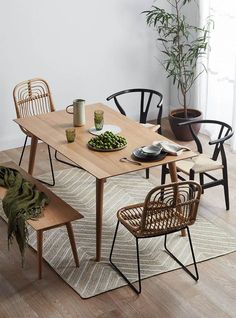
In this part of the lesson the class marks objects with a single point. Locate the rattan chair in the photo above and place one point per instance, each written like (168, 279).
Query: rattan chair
(203, 164)
(33, 97)
(147, 97)
(166, 209)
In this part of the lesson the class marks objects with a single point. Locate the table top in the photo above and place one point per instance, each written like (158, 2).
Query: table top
(50, 128)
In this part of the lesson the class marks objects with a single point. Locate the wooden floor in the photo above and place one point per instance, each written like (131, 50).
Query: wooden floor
(172, 294)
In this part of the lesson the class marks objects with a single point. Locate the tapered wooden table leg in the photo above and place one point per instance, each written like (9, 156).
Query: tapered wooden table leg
(72, 243)
(99, 213)
(40, 252)
(173, 171)
(174, 178)
(33, 148)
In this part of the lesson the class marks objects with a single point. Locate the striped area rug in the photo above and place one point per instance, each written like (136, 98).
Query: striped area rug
(78, 189)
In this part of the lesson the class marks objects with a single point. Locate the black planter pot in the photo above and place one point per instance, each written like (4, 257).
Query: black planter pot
(177, 116)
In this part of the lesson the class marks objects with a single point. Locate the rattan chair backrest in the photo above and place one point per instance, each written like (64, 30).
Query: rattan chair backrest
(32, 97)
(170, 207)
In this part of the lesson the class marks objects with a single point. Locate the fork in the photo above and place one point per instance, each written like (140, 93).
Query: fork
(124, 159)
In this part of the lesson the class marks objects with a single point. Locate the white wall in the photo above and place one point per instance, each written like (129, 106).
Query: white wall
(84, 49)
(191, 11)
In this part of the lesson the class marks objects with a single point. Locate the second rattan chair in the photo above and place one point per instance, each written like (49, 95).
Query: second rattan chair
(166, 209)
(33, 97)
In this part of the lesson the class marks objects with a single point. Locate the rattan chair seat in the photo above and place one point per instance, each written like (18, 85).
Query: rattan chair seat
(151, 126)
(160, 218)
(201, 163)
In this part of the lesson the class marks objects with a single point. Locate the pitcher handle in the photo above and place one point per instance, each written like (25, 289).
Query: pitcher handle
(68, 110)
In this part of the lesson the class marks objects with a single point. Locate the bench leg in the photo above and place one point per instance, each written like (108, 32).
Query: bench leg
(72, 243)
(40, 252)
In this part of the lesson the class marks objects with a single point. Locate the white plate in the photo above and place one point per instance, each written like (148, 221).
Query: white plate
(112, 128)
(106, 150)
(151, 150)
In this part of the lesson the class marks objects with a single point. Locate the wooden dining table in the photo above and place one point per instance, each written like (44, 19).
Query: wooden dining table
(50, 128)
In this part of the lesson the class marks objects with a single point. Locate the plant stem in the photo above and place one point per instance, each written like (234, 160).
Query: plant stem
(182, 43)
(181, 66)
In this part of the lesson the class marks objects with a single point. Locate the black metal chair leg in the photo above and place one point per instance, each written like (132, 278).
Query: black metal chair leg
(114, 238)
(52, 171)
(147, 173)
(50, 161)
(163, 174)
(138, 264)
(65, 162)
(191, 174)
(23, 150)
(201, 179)
(138, 291)
(178, 261)
(226, 187)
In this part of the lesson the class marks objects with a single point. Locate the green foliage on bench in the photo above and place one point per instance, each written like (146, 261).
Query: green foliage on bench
(21, 202)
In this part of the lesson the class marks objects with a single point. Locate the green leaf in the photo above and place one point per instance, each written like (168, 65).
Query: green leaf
(183, 43)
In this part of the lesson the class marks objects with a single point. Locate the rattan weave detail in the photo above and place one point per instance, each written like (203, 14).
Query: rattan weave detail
(32, 97)
(166, 208)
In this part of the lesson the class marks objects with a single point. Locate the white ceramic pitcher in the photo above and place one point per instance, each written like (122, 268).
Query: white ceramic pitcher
(78, 112)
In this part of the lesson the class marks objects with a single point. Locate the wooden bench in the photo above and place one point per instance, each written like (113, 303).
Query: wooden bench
(57, 213)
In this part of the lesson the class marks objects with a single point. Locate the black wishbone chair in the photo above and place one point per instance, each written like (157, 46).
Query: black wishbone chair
(203, 164)
(147, 97)
(166, 209)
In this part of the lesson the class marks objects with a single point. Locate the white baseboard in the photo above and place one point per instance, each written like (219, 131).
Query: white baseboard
(11, 143)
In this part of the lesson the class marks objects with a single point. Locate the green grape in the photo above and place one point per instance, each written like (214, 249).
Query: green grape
(107, 140)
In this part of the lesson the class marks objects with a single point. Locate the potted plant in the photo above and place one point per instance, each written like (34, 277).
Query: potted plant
(182, 46)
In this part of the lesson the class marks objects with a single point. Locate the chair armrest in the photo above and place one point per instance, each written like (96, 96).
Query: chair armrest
(221, 140)
(136, 205)
(189, 122)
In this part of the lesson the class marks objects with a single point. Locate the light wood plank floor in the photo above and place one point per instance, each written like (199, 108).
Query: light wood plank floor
(171, 294)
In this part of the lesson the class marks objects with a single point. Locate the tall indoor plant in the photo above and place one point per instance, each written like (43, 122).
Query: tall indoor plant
(182, 45)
